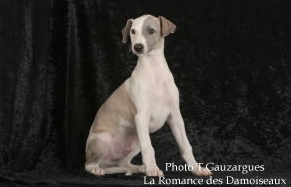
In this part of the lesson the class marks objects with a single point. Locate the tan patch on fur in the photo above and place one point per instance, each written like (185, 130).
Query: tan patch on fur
(117, 106)
(95, 151)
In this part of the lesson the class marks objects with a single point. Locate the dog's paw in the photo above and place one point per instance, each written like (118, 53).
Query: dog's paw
(94, 169)
(202, 172)
(97, 171)
(154, 172)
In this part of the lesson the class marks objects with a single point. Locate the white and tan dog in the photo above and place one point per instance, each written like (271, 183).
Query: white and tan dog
(140, 106)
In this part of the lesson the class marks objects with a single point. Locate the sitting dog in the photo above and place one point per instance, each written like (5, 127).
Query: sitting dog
(140, 106)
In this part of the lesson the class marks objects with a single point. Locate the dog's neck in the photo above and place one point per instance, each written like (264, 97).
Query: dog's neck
(154, 61)
(154, 66)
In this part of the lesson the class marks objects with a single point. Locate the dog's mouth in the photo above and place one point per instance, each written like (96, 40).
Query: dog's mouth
(138, 52)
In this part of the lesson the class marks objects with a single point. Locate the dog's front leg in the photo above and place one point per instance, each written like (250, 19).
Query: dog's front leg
(148, 154)
(177, 127)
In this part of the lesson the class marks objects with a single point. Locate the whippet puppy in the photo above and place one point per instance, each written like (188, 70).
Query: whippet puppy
(140, 106)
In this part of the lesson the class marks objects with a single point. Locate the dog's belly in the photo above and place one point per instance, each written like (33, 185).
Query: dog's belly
(118, 147)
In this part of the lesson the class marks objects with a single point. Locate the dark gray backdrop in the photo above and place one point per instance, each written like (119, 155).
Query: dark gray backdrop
(59, 60)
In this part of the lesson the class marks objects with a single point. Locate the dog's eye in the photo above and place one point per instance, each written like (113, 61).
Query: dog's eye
(132, 31)
(151, 31)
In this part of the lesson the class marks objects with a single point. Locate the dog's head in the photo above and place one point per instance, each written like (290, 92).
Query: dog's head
(147, 33)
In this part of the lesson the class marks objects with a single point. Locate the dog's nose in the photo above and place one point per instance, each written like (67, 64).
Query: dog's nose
(138, 48)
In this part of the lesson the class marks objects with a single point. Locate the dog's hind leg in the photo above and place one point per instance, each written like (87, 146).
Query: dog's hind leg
(96, 149)
(126, 161)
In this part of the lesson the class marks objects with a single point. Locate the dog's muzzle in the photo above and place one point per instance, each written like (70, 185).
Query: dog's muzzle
(138, 48)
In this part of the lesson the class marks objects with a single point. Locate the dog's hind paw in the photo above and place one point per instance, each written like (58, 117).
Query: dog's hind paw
(97, 171)
(94, 169)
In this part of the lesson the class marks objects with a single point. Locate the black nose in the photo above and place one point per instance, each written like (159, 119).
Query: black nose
(138, 48)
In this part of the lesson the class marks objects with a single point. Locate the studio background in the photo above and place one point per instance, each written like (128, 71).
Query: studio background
(60, 60)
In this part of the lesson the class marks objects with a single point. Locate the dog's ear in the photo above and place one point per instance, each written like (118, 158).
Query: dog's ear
(125, 31)
(167, 27)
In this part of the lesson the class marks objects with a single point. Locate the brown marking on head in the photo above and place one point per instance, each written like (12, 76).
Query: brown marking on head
(151, 32)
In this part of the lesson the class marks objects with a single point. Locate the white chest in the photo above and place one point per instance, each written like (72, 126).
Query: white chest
(161, 106)
(153, 89)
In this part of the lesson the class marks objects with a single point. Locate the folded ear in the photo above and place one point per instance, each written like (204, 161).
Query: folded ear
(167, 27)
(125, 31)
